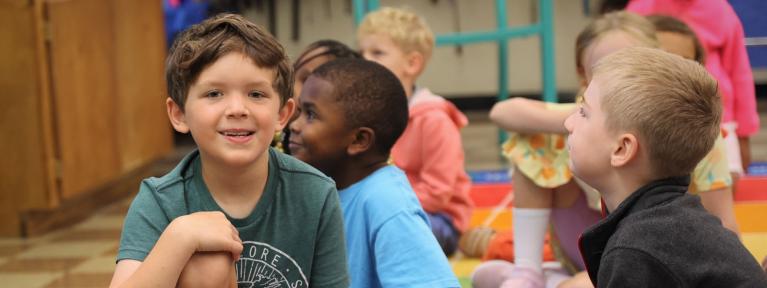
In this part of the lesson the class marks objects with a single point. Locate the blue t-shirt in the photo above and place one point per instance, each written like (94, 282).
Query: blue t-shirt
(388, 238)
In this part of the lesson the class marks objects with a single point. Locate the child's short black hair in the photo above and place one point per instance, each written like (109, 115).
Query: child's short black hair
(370, 95)
(332, 48)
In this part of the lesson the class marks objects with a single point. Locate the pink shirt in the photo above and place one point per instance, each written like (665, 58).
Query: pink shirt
(431, 154)
(719, 30)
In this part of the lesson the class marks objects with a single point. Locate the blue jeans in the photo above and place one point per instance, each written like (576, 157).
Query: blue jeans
(442, 227)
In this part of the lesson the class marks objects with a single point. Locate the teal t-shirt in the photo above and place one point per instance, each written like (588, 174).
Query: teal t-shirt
(293, 238)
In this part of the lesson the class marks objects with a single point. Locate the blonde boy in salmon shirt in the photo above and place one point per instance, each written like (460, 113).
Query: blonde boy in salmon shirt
(430, 150)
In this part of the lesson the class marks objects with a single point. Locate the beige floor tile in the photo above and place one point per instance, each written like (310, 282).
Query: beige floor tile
(9, 241)
(9, 250)
(3, 260)
(112, 252)
(105, 222)
(80, 280)
(28, 280)
(117, 209)
(40, 265)
(55, 250)
(89, 235)
(102, 264)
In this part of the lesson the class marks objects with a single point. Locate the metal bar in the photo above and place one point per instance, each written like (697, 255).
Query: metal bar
(547, 46)
(756, 41)
(359, 11)
(373, 5)
(502, 34)
(503, 62)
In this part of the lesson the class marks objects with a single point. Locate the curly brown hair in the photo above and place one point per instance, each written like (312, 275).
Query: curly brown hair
(202, 44)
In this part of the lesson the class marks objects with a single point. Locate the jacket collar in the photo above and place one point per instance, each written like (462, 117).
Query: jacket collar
(594, 240)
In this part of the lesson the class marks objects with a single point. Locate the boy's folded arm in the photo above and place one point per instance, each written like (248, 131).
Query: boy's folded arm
(442, 163)
(528, 116)
(185, 235)
(161, 268)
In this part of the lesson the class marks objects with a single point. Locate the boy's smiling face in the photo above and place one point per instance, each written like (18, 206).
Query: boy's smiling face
(232, 111)
(589, 142)
(320, 136)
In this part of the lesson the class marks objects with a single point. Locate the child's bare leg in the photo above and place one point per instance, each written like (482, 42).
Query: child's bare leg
(209, 269)
(566, 195)
(529, 195)
(719, 202)
(579, 280)
(532, 208)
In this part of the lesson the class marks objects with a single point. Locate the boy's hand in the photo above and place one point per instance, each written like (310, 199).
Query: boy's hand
(208, 232)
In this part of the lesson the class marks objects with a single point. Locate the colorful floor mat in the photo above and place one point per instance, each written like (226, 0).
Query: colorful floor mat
(491, 187)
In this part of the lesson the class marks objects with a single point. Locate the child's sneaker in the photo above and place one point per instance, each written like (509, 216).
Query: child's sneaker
(523, 277)
(474, 242)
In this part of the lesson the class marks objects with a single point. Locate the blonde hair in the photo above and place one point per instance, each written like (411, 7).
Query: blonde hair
(671, 103)
(636, 26)
(406, 29)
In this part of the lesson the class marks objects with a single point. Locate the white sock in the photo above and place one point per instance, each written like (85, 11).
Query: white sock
(530, 225)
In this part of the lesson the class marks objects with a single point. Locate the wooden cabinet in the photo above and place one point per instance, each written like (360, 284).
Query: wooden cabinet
(82, 99)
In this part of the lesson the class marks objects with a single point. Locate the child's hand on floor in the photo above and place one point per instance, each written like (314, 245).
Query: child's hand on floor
(207, 232)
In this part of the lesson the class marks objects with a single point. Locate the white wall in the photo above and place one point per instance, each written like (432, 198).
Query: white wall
(473, 72)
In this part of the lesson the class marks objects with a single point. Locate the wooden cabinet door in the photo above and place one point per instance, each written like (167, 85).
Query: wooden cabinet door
(81, 51)
(25, 174)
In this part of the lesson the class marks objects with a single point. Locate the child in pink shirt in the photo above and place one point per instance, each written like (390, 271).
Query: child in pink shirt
(719, 29)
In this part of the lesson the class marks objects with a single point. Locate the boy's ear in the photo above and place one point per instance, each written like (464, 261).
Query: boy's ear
(285, 114)
(176, 116)
(415, 63)
(626, 150)
(364, 140)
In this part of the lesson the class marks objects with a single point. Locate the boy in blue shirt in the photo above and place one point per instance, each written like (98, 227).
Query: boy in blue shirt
(235, 212)
(351, 113)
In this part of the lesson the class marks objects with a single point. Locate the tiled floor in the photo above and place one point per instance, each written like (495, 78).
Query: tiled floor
(83, 255)
(78, 256)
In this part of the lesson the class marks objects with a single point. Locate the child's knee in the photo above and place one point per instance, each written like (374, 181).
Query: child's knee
(208, 269)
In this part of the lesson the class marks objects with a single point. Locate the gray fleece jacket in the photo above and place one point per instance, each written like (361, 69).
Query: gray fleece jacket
(660, 236)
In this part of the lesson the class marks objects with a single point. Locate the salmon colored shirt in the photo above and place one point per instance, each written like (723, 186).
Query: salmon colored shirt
(431, 154)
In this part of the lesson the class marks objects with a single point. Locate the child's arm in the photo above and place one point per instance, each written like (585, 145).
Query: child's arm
(711, 181)
(202, 231)
(442, 161)
(736, 65)
(719, 202)
(528, 116)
